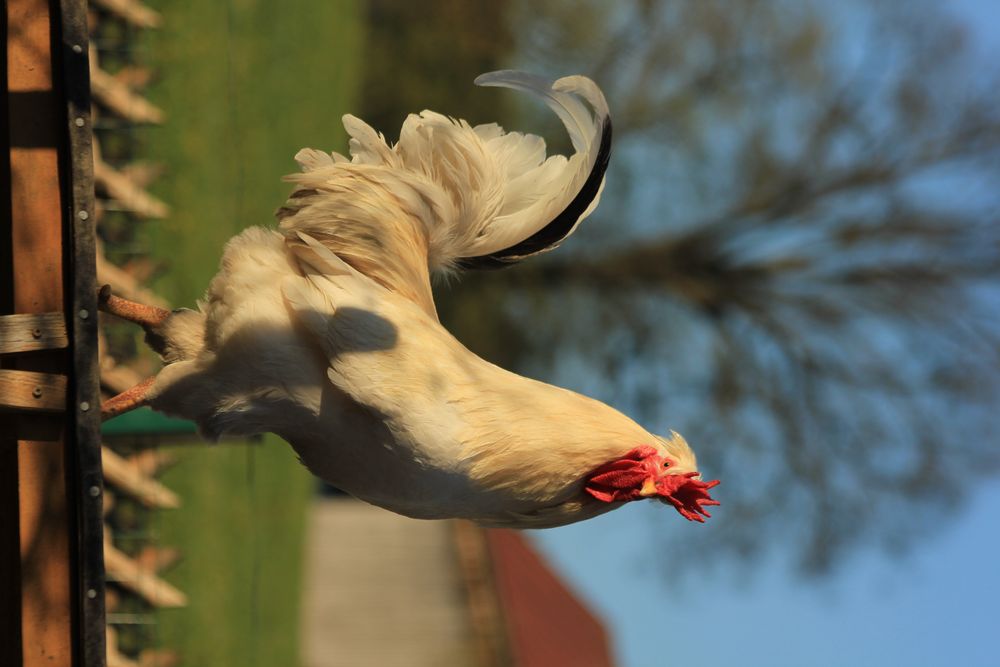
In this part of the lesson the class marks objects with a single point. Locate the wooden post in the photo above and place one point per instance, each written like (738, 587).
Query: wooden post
(51, 586)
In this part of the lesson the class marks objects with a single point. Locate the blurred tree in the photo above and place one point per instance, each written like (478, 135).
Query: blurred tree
(425, 56)
(794, 264)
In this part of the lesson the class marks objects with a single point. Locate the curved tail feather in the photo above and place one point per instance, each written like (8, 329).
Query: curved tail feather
(449, 195)
(556, 201)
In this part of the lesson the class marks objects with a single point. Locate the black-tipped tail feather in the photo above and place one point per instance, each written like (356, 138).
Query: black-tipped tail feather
(553, 233)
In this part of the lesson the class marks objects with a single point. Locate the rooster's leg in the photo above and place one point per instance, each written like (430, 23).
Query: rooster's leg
(130, 399)
(146, 316)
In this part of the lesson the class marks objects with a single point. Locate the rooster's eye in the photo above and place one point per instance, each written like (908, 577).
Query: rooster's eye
(666, 464)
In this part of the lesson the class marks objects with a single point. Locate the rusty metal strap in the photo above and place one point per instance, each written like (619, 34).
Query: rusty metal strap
(81, 318)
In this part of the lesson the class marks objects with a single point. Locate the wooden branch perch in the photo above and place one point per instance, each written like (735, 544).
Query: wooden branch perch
(127, 193)
(151, 461)
(130, 574)
(143, 172)
(159, 658)
(157, 559)
(120, 99)
(120, 473)
(117, 379)
(115, 657)
(132, 12)
(134, 76)
(123, 284)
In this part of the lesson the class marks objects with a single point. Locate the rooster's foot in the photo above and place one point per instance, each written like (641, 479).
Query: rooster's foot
(146, 316)
(130, 399)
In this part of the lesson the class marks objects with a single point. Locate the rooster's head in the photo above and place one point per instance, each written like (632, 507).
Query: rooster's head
(666, 472)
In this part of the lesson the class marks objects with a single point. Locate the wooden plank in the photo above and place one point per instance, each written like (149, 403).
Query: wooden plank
(489, 633)
(46, 535)
(29, 332)
(32, 391)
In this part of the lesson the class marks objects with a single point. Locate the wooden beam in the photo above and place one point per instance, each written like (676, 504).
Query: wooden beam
(35, 124)
(29, 332)
(51, 578)
(32, 391)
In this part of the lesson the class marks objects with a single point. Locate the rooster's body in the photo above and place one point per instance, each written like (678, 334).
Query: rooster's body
(325, 332)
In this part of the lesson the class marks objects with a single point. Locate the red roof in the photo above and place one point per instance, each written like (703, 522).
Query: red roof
(547, 626)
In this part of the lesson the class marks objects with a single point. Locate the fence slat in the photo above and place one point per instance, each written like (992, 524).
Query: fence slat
(122, 474)
(32, 391)
(131, 575)
(28, 332)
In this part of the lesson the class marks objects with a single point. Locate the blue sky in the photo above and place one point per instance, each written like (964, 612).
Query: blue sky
(939, 604)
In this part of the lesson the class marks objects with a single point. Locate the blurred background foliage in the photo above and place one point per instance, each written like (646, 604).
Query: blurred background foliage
(794, 262)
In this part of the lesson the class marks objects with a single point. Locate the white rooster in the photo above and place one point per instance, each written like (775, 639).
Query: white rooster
(324, 331)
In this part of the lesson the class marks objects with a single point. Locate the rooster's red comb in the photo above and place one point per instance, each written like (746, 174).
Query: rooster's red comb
(641, 474)
(688, 495)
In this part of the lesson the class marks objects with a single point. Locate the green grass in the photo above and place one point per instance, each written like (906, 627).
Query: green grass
(245, 84)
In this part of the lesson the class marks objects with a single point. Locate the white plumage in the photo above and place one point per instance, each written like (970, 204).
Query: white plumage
(325, 332)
